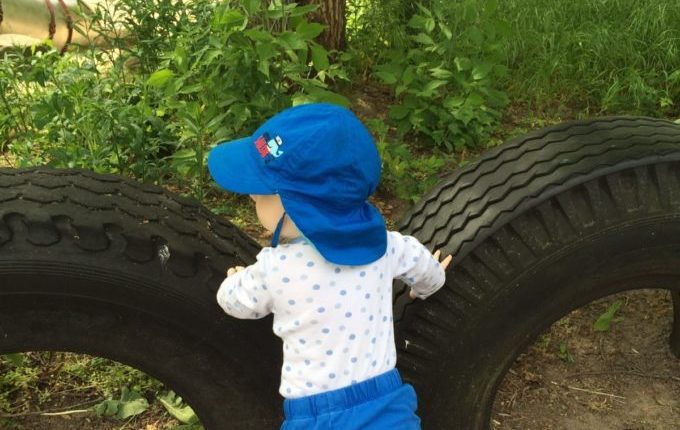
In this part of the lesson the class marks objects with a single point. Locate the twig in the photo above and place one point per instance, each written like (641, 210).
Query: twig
(76, 411)
(599, 393)
(53, 413)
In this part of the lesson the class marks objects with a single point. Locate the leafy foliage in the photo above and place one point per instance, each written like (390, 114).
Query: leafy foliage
(153, 111)
(128, 405)
(178, 409)
(406, 175)
(445, 82)
(605, 320)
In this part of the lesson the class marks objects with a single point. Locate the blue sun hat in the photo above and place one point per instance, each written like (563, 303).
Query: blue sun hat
(322, 162)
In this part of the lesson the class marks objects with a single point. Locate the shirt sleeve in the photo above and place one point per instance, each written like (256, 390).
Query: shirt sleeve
(244, 294)
(415, 265)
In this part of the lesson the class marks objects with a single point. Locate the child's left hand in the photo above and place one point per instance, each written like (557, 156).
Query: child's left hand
(233, 270)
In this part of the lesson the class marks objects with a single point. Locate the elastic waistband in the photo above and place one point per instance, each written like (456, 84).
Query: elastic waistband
(342, 398)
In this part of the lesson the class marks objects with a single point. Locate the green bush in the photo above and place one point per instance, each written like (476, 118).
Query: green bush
(66, 112)
(446, 80)
(237, 67)
(405, 174)
(116, 110)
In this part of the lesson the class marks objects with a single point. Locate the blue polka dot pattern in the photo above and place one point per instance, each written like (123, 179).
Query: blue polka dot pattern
(336, 321)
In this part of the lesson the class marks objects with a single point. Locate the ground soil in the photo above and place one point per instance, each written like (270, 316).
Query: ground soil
(622, 379)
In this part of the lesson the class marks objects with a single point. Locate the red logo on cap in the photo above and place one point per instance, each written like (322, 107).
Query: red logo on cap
(261, 145)
(269, 148)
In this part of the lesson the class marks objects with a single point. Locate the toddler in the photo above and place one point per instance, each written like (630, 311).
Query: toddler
(310, 170)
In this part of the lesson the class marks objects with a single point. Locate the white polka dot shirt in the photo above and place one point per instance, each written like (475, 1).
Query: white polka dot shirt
(335, 320)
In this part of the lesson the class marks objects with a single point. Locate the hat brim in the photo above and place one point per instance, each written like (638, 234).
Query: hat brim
(234, 166)
(354, 236)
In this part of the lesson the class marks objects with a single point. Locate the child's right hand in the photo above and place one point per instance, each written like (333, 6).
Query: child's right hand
(444, 263)
(233, 270)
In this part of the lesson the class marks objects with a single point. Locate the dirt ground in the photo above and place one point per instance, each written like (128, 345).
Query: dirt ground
(622, 379)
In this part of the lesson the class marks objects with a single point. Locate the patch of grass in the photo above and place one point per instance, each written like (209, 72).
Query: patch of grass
(603, 56)
(49, 381)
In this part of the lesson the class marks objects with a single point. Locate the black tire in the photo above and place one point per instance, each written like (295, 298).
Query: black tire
(106, 266)
(539, 227)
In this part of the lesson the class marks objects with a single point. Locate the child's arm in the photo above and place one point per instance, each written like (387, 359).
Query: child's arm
(244, 293)
(444, 263)
(415, 265)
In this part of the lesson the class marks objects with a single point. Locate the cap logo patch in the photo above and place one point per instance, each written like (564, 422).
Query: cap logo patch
(269, 148)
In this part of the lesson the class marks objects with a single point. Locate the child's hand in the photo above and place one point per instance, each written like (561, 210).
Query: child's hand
(233, 270)
(444, 263)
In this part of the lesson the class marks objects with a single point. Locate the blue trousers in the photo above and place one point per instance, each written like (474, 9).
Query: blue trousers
(380, 403)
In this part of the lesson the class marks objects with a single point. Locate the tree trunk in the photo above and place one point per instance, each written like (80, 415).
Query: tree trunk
(331, 13)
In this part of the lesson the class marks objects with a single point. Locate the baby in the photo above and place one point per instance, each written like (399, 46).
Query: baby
(310, 170)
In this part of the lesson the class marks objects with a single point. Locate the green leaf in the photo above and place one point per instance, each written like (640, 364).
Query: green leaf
(258, 35)
(325, 96)
(418, 22)
(302, 10)
(15, 359)
(408, 76)
(229, 18)
(129, 405)
(387, 77)
(440, 73)
(430, 88)
(564, 354)
(476, 36)
(446, 30)
(132, 408)
(604, 322)
(399, 112)
(320, 57)
(216, 121)
(160, 78)
(453, 102)
(309, 30)
(251, 6)
(423, 38)
(292, 40)
(462, 63)
(176, 407)
(107, 408)
(480, 71)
